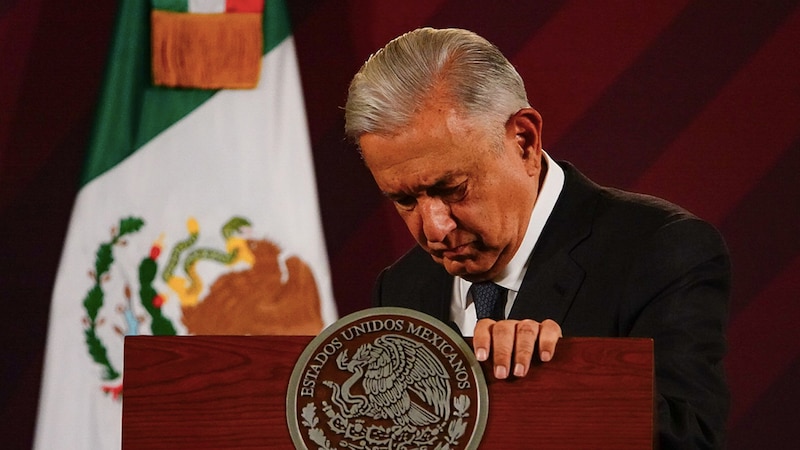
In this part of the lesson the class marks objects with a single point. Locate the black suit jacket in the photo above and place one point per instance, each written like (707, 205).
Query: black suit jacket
(613, 263)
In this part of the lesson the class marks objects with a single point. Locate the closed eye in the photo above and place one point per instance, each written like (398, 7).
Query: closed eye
(406, 202)
(445, 192)
(449, 194)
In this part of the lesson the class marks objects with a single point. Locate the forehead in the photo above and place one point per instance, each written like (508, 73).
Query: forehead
(438, 145)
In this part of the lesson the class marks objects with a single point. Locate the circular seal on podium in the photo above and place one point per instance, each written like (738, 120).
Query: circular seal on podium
(387, 378)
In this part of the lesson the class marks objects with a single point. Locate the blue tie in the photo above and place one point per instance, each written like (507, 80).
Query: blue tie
(489, 300)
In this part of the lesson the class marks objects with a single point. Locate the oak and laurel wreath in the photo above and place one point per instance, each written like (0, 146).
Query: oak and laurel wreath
(455, 430)
(104, 258)
(310, 420)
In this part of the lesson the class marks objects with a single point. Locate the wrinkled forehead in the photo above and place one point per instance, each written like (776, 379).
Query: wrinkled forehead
(436, 129)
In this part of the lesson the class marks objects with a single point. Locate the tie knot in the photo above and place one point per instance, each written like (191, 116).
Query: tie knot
(489, 300)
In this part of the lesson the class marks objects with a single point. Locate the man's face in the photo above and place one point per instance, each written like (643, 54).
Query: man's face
(465, 194)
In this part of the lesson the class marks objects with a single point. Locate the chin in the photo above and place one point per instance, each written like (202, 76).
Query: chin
(469, 270)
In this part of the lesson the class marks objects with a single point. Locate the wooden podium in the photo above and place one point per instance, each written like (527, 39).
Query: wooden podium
(229, 392)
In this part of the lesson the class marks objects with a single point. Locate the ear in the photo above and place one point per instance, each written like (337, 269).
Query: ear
(526, 128)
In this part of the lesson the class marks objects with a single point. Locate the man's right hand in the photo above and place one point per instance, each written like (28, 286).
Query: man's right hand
(506, 338)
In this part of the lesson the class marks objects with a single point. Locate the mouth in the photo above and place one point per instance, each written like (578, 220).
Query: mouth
(454, 253)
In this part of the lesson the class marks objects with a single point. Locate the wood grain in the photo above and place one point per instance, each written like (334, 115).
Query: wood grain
(229, 392)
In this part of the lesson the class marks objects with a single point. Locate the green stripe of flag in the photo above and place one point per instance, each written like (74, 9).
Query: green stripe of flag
(171, 5)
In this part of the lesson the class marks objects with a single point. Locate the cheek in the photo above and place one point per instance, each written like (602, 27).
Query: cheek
(471, 218)
(483, 219)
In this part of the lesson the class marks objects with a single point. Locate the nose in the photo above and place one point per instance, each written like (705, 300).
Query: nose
(437, 221)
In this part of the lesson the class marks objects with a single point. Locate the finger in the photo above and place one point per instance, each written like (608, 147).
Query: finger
(549, 334)
(502, 347)
(526, 333)
(482, 339)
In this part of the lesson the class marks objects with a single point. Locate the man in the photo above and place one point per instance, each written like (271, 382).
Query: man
(443, 123)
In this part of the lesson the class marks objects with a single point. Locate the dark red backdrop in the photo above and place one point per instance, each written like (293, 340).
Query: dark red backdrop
(689, 100)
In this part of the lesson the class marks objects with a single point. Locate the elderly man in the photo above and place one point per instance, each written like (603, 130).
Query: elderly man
(517, 249)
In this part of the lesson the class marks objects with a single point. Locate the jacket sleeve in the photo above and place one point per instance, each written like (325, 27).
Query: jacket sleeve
(680, 289)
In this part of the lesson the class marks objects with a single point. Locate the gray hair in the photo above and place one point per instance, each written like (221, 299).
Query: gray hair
(394, 82)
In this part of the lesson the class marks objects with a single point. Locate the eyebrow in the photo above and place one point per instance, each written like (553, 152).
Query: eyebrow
(444, 181)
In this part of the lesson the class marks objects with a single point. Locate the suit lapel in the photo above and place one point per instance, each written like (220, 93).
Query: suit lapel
(553, 277)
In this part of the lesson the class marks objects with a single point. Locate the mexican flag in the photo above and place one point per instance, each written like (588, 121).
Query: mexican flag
(198, 210)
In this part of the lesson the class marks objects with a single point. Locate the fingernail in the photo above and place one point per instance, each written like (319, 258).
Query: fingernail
(500, 372)
(545, 356)
(480, 354)
(519, 370)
